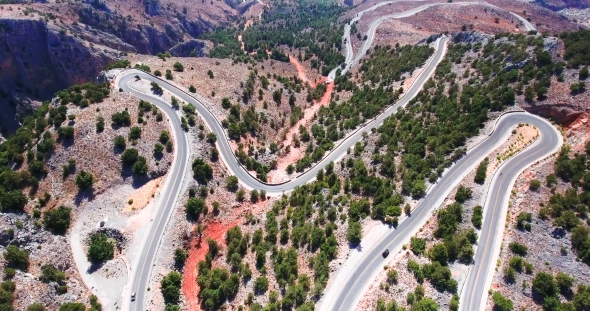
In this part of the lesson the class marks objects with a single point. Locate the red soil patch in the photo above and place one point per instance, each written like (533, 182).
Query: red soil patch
(197, 252)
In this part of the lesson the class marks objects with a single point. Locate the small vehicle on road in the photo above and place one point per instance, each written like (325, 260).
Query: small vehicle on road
(385, 253)
(133, 297)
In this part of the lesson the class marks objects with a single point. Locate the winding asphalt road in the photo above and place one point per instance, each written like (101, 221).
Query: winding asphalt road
(349, 291)
(474, 295)
(165, 204)
(350, 62)
(352, 289)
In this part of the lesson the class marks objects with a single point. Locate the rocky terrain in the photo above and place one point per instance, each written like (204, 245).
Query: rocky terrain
(107, 207)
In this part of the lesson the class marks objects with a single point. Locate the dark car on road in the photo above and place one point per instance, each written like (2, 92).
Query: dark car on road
(385, 253)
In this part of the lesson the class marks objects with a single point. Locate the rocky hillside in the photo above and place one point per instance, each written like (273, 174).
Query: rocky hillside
(557, 5)
(47, 46)
(37, 58)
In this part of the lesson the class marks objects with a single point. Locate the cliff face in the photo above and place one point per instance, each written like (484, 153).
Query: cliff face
(144, 38)
(37, 60)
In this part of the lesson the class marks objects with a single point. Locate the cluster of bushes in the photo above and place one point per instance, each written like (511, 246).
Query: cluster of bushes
(252, 164)
(84, 94)
(238, 124)
(576, 48)
(120, 63)
(415, 299)
(398, 60)
(306, 25)
(131, 158)
(307, 219)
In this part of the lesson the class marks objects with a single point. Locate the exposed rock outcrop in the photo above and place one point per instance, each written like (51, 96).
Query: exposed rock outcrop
(192, 48)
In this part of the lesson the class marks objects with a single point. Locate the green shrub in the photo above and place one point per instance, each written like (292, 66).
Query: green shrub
(164, 136)
(178, 67)
(51, 274)
(535, 184)
(501, 303)
(9, 273)
(355, 232)
(16, 257)
(72, 306)
(120, 142)
(158, 149)
(36, 307)
(477, 217)
(518, 249)
(261, 285)
(121, 118)
(463, 194)
(84, 180)
(418, 245)
(135, 133)
(544, 285)
(480, 174)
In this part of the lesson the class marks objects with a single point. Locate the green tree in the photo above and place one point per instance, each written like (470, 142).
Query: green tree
(129, 156)
(544, 285)
(57, 220)
(261, 285)
(100, 248)
(140, 166)
(202, 171)
(231, 183)
(355, 232)
(194, 207)
(170, 285)
(84, 180)
(16, 257)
